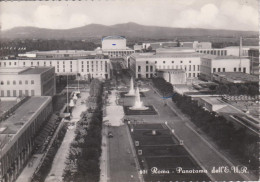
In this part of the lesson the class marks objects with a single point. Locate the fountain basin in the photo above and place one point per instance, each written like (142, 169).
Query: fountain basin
(149, 110)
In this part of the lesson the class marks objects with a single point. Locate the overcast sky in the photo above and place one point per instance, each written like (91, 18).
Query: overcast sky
(213, 14)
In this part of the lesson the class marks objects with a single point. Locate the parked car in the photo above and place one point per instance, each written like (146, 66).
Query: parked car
(110, 135)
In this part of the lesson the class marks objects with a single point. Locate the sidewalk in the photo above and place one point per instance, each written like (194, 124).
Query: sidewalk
(58, 165)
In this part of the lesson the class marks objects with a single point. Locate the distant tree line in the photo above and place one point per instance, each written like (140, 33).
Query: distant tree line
(251, 89)
(15, 47)
(85, 151)
(165, 88)
(239, 141)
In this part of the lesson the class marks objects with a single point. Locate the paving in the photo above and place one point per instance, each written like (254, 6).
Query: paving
(58, 165)
(117, 162)
(162, 150)
(201, 149)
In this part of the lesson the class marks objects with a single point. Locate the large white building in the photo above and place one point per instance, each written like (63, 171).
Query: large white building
(115, 47)
(212, 64)
(145, 65)
(91, 66)
(27, 81)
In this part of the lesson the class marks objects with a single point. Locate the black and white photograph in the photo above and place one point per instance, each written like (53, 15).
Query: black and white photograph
(129, 91)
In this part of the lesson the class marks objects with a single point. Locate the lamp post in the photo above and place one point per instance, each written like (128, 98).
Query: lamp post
(67, 95)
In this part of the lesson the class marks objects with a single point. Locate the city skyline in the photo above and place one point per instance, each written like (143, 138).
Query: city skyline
(231, 14)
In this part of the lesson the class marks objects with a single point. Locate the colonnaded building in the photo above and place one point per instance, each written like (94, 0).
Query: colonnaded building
(115, 47)
(18, 133)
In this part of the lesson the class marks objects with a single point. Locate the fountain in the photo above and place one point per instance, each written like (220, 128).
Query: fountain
(132, 90)
(138, 103)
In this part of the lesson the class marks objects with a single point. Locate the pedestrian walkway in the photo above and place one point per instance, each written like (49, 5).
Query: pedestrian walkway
(58, 165)
(28, 171)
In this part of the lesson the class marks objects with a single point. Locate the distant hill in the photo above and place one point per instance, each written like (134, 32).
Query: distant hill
(131, 31)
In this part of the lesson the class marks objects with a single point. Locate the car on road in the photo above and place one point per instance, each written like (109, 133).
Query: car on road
(110, 135)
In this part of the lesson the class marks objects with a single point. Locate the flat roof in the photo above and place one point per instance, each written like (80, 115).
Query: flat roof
(239, 76)
(6, 105)
(165, 55)
(36, 70)
(113, 37)
(231, 47)
(216, 57)
(24, 70)
(213, 100)
(97, 56)
(22, 116)
(58, 52)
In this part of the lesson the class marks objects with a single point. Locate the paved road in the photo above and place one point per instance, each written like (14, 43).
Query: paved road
(201, 149)
(121, 162)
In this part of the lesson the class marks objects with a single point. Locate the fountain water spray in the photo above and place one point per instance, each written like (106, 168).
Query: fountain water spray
(138, 103)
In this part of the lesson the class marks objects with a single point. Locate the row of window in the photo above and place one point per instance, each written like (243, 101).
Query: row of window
(10, 63)
(16, 93)
(224, 70)
(26, 82)
(33, 63)
(165, 62)
(187, 75)
(214, 52)
(186, 68)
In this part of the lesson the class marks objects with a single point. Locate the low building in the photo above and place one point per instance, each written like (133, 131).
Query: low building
(211, 64)
(173, 76)
(234, 77)
(17, 134)
(211, 103)
(27, 81)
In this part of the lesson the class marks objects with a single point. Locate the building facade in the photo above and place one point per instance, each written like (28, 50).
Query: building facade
(173, 76)
(115, 47)
(146, 65)
(253, 55)
(18, 133)
(92, 66)
(27, 81)
(211, 64)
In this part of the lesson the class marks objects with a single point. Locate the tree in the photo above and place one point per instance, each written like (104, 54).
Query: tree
(242, 90)
(149, 49)
(233, 90)
(253, 90)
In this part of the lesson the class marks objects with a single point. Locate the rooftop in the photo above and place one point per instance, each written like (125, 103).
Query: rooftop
(213, 100)
(215, 57)
(238, 76)
(5, 105)
(113, 37)
(23, 70)
(97, 56)
(21, 118)
(59, 52)
(165, 55)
